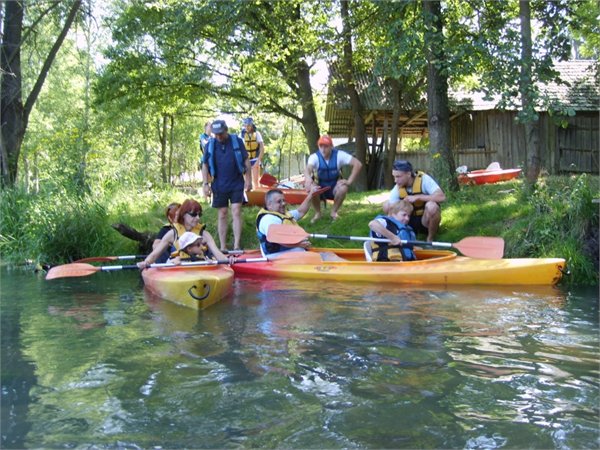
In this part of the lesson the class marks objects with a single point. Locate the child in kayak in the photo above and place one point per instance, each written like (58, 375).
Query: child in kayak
(193, 248)
(394, 227)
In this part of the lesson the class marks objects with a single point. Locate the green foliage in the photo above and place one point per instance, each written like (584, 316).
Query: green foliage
(560, 215)
(552, 220)
(57, 226)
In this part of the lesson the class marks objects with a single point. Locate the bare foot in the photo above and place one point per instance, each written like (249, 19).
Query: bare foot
(314, 219)
(334, 216)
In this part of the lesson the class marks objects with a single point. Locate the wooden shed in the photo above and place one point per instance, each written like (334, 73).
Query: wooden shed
(482, 133)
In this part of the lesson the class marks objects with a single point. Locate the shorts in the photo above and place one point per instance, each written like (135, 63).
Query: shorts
(417, 225)
(328, 194)
(224, 199)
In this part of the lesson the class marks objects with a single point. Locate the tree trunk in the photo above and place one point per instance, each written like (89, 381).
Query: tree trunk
(15, 114)
(12, 125)
(438, 112)
(391, 155)
(310, 124)
(162, 137)
(525, 81)
(357, 109)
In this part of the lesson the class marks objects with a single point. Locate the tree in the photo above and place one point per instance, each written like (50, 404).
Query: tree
(348, 71)
(438, 112)
(15, 114)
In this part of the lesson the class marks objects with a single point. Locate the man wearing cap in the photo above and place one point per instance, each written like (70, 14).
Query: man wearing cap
(423, 192)
(325, 165)
(226, 161)
(254, 145)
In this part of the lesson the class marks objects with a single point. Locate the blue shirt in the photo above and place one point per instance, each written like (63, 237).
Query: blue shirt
(227, 177)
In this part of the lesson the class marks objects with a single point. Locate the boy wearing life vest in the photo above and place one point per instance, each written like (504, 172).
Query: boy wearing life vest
(394, 227)
(253, 141)
(423, 192)
(192, 248)
(323, 168)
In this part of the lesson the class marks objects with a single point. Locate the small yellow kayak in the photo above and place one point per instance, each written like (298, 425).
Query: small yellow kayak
(196, 287)
(433, 267)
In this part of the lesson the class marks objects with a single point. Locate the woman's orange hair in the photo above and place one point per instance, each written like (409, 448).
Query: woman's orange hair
(171, 211)
(189, 205)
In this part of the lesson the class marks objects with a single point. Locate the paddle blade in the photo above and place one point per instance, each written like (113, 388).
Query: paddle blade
(297, 258)
(481, 247)
(71, 270)
(268, 180)
(97, 259)
(286, 234)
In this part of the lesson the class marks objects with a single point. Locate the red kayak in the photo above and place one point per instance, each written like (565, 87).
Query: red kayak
(486, 176)
(256, 197)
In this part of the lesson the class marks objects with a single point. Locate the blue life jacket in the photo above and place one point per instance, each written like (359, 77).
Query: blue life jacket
(328, 174)
(404, 232)
(210, 149)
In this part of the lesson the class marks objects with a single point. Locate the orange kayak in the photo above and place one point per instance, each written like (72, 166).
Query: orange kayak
(197, 287)
(485, 176)
(256, 197)
(433, 267)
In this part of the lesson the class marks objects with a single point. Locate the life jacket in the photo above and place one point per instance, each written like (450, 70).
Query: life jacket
(252, 145)
(179, 230)
(328, 173)
(383, 252)
(419, 205)
(239, 160)
(271, 247)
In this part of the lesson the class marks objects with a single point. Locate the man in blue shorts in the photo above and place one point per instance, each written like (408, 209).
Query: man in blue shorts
(226, 161)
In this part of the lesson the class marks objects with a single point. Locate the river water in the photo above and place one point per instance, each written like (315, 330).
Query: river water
(97, 362)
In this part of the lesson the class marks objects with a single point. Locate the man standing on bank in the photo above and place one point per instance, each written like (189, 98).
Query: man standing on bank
(326, 163)
(226, 161)
(423, 192)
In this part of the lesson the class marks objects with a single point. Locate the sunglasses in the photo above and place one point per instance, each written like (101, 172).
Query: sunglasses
(194, 213)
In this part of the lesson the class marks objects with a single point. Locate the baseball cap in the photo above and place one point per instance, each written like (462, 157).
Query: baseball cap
(187, 239)
(325, 140)
(218, 126)
(403, 166)
(248, 121)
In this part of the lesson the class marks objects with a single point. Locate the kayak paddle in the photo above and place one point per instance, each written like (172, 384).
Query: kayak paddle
(481, 247)
(268, 180)
(126, 257)
(83, 269)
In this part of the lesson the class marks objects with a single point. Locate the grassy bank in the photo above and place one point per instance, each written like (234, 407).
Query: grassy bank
(556, 219)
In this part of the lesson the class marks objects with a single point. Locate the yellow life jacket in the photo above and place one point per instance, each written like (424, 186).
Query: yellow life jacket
(251, 144)
(271, 247)
(419, 205)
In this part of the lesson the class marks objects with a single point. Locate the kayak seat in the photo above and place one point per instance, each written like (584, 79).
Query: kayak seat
(368, 251)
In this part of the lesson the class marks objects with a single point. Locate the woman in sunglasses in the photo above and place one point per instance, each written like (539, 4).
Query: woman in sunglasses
(188, 219)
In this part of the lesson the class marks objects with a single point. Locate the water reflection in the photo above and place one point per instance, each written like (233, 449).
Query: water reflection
(299, 364)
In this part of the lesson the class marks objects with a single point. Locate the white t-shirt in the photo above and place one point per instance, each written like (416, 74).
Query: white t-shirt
(343, 159)
(270, 219)
(428, 187)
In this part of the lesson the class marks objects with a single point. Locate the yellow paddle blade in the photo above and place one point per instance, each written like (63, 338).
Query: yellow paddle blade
(71, 270)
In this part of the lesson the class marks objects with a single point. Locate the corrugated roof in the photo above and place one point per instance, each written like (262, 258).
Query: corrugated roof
(580, 91)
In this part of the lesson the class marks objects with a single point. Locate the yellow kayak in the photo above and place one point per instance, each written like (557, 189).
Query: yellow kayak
(433, 267)
(197, 287)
